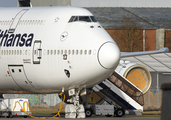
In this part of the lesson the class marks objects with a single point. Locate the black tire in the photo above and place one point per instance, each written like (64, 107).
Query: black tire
(88, 112)
(120, 112)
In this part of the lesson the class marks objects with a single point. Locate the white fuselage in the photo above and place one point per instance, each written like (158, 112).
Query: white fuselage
(42, 51)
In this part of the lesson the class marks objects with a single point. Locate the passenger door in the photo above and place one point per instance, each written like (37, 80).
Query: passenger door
(37, 52)
(17, 72)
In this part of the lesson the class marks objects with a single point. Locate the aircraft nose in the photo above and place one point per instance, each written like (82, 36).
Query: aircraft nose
(109, 55)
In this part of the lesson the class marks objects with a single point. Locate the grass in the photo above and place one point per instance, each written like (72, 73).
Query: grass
(45, 111)
(152, 113)
(148, 114)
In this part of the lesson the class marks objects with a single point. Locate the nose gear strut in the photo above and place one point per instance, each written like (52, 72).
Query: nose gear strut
(75, 100)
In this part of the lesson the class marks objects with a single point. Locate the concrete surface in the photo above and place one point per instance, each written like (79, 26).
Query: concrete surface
(91, 118)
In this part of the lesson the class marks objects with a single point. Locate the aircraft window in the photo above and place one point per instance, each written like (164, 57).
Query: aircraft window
(12, 52)
(81, 52)
(2, 52)
(93, 18)
(65, 51)
(84, 18)
(51, 52)
(72, 18)
(17, 52)
(26, 52)
(76, 52)
(61, 52)
(58, 52)
(20, 52)
(89, 52)
(7, 52)
(12, 70)
(69, 52)
(39, 22)
(85, 52)
(54, 52)
(47, 52)
(19, 70)
(73, 52)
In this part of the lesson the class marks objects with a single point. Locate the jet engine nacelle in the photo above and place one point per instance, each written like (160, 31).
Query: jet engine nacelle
(136, 74)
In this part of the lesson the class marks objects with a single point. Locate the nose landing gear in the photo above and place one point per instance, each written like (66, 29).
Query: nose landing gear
(79, 109)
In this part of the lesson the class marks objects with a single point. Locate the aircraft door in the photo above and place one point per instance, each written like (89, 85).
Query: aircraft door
(37, 52)
(16, 20)
(17, 72)
(0, 52)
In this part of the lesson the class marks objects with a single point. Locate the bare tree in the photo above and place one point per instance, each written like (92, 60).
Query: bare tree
(129, 37)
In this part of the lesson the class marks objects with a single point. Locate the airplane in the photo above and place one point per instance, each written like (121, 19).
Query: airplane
(54, 49)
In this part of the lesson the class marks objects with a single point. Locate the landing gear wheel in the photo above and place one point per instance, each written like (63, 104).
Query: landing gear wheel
(88, 112)
(120, 112)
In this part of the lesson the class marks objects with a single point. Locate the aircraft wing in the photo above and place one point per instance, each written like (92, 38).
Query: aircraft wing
(130, 54)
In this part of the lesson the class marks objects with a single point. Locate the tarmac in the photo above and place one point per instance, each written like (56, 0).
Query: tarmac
(89, 118)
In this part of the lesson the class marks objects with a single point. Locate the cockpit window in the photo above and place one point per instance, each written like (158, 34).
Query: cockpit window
(93, 18)
(73, 18)
(82, 18)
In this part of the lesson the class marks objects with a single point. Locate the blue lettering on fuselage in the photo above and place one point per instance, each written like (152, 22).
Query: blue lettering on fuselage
(15, 40)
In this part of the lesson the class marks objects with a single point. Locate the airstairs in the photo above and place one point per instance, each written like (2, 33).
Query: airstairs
(119, 91)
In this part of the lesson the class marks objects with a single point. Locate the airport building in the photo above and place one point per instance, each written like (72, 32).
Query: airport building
(150, 19)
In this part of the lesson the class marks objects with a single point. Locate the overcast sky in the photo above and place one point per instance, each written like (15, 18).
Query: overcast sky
(8, 3)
